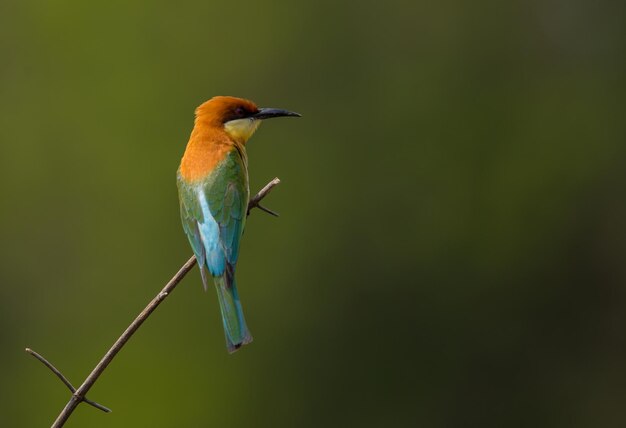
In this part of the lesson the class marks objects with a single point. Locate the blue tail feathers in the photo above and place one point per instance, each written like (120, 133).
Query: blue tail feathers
(235, 328)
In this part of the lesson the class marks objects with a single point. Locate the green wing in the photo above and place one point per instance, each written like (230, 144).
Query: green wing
(213, 213)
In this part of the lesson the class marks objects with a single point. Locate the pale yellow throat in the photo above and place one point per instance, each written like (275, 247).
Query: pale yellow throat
(241, 130)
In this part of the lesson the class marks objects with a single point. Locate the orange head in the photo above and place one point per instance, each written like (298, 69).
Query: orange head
(221, 122)
(237, 116)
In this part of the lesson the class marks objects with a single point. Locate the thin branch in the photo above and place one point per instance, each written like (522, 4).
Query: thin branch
(255, 201)
(79, 394)
(267, 210)
(54, 369)
(65, 380)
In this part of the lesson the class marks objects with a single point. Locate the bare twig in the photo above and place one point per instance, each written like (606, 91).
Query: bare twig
(79, 395)
(65, 380)
(255, 201)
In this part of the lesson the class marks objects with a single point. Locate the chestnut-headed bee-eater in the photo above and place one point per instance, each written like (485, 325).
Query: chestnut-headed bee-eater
(213, 191)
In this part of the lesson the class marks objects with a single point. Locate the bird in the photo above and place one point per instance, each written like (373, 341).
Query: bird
(213, 190)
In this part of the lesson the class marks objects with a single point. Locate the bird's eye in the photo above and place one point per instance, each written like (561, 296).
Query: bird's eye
(239, 111)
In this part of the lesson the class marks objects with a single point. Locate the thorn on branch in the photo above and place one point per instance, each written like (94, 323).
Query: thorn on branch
(267, 210)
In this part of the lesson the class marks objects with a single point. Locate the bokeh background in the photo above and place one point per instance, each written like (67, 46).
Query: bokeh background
(452, 240)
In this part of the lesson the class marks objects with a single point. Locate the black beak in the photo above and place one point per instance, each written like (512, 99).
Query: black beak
(267, 113)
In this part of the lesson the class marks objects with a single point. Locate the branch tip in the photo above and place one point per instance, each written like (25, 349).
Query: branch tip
(255, 201)
(267, 210)
(65, 381)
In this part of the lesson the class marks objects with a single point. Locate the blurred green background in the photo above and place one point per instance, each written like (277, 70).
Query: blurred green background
(452, 240)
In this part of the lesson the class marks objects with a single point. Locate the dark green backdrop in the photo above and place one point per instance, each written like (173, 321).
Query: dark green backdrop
(452, 241)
